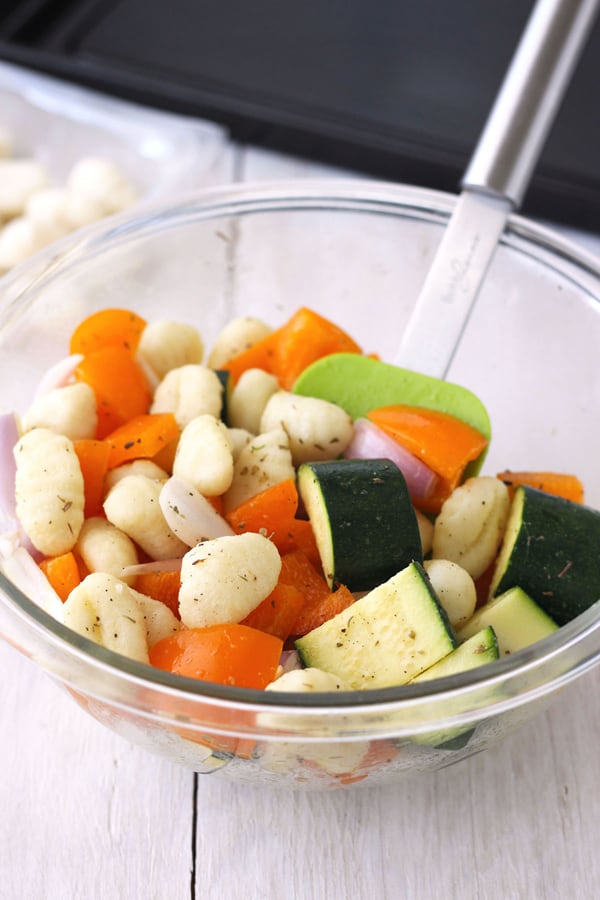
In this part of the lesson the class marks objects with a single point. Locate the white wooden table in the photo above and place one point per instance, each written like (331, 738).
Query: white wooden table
(84, 815)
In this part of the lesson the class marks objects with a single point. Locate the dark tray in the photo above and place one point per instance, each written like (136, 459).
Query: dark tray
(399, 90)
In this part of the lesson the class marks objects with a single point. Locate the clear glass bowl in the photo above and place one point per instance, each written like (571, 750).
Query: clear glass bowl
(357, 252)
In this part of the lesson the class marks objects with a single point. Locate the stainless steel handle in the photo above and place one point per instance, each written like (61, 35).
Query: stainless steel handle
(521, 117)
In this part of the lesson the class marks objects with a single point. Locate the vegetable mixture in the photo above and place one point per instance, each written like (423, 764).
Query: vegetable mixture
(283, 512)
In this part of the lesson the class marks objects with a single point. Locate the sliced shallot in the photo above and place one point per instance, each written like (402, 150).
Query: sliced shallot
(58, 375)
(370, 442)
(159, 565)
(24, 572)
(189, 514)
(9, 435)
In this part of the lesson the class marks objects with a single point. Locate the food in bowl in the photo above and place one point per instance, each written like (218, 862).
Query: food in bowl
(358, 252)
(304, 517)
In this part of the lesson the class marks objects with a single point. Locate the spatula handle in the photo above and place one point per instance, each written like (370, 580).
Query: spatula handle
(528, 100)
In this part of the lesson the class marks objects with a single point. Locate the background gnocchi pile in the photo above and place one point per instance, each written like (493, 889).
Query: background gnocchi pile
(35, 211)
(156, 506)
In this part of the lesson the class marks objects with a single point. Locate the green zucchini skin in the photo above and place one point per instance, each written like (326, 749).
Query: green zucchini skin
(551, 550)
(363, 518)
(224, 377)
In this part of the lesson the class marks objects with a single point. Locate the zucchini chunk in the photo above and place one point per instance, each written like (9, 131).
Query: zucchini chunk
(516, 619)
(476, 651)
(386, 637)
(363, 519)
(479, 649)
(551, 550)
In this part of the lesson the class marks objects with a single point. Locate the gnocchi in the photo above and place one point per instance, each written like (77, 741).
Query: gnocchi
(264, 461)
(203, 456)
(224, 579)
(167, 345)
(49, 490)
(188, 392)
(470, 525)
(316, 429)
(238, 335)
(133, 506)
(70, 410)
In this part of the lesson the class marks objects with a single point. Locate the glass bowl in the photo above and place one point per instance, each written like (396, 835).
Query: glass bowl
(356, 252)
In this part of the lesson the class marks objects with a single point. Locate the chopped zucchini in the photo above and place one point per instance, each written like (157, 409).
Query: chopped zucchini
(516, 619)
(476, 651)
(363, 519)
(551, 550)
(224, 377)
(386, 637)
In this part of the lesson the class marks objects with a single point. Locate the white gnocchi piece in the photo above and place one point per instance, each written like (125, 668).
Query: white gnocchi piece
(133, 506)
(238, 439)
(263, 462)
(310, 680)
(166, 345)
(470, 525)
(101, 181)
(81, 210)
(106, 610)
(203, 456)
(317, 429)
(189, 514)
(145, 467)
(454, 588)
(70, 410)
(248, 399)
(49, 490)
(47, 209)
(19, 179)
(224, 579)
(236, 336)
(187, 392)
(19, 239)
(105, 548)
(159, 621)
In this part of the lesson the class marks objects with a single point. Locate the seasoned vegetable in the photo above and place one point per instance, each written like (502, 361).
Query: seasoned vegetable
(516, 619)
(227, 654)
(205, 519)
(363, 519)
(559, 483)
(386, 638)
(475, 651)
(550, 550)
(108, 327)
(120, 385)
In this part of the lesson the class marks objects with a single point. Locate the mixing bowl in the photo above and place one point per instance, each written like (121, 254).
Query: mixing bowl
(357, 253)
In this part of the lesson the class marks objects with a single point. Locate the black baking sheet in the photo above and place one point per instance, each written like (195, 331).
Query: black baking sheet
(399, 90)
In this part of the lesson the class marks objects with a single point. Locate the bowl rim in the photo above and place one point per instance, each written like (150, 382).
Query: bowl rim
(565, 655)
